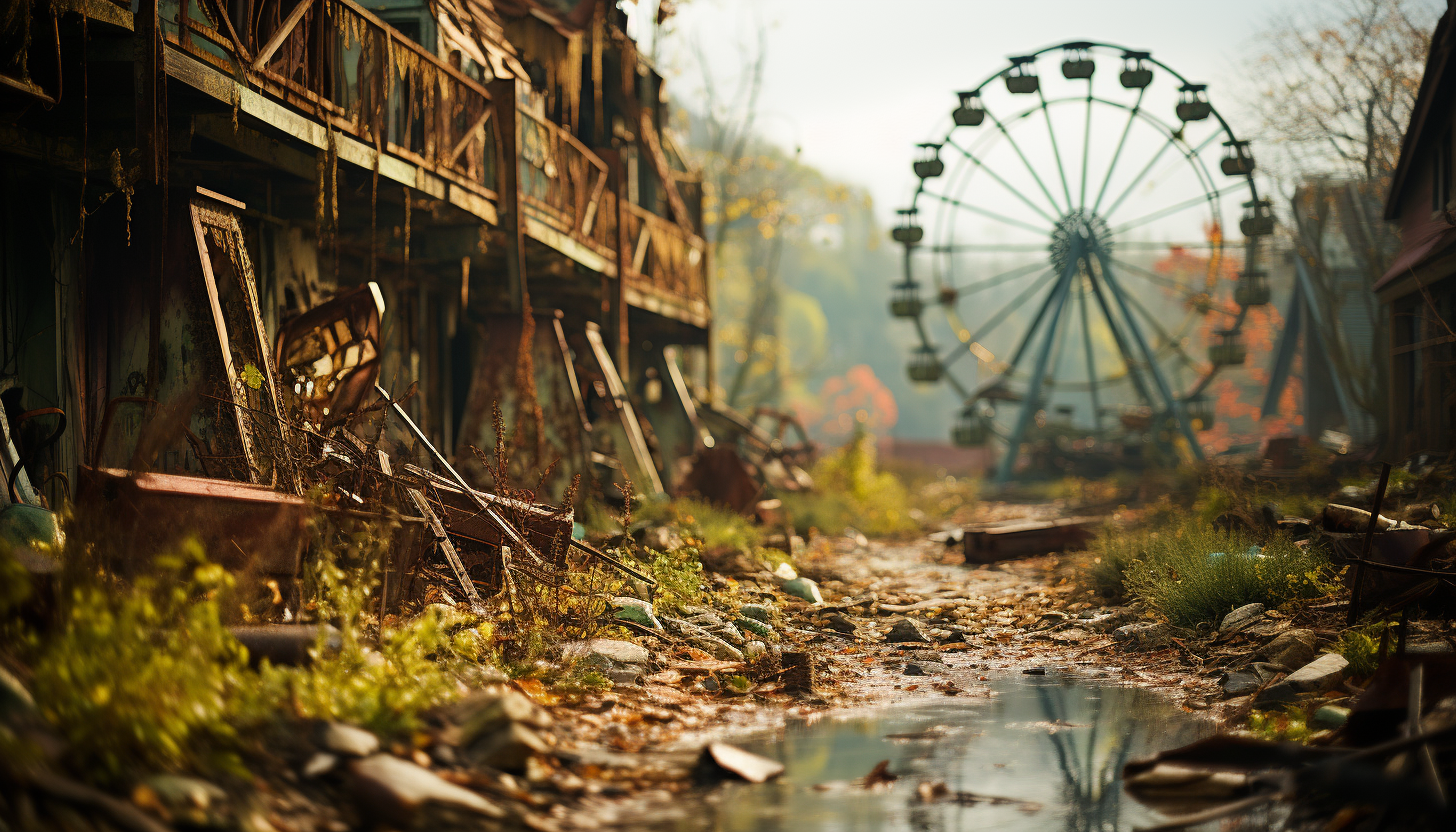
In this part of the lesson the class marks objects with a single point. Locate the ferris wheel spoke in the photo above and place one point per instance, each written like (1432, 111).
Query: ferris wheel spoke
(1001, 316)
(1139, 178)
(976, 209)
(1056, 151)
(1027, 162)
(1173, 209)
(1014, 192)
(1086, 146)
(1153, 277)
(955, 248)
(1137, 245)
(1158, 327)
(997, 280)
(1117, 154)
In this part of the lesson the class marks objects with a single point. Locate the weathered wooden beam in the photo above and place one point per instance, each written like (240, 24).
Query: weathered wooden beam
(289, 23)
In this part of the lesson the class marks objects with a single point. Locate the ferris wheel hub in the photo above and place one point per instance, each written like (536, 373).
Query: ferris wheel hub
(1079, 230)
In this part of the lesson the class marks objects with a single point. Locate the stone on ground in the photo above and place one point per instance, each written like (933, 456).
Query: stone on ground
(1144, 635)
(347, 740)
(805, 589)
(508, 748)
(613, 650)
(907, 631)
(396, 789)
(721, 760)
(758, 612)
(1241, 618)
(1318, 676)
(1330, 716)
(1291, 648)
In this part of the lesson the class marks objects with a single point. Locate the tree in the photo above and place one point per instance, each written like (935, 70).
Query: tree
(1338, 84)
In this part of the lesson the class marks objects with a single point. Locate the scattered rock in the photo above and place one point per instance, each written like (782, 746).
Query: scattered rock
(487, 712)
(347, 740)
(1034, 671)
(508, 748)
(1241, 618)
(1291, 648)
(925, 668)
(1240, 683)
(187, 800)
(396, 789)
(319, 764)
(905, 631)
(1318, 676)
(785, 572)
(625, 675)
(757, 612)
(805, 589)
(1109, 620)
(637, 611)
(754, 649)
(612, 650)
(840, 623)
(721, 760)
(1330, 716)
(1143, 636)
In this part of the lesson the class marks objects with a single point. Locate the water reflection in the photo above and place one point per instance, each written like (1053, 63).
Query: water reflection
(1058, 744)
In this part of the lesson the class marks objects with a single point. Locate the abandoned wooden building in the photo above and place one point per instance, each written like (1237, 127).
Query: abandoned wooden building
(1418, 291)
(486, 185)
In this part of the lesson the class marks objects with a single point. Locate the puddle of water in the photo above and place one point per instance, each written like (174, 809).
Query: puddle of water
(1048, 742)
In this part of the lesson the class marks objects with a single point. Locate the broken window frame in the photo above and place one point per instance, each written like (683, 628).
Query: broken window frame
(208, 214)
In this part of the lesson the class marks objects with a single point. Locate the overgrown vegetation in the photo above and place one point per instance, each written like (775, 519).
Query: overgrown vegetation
(703, 524)
(1193, 573)
(851, 491)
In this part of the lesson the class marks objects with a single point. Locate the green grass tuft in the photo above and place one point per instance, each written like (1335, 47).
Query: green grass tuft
(1176, 571)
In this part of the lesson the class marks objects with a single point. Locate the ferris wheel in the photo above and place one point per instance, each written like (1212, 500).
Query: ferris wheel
(1069, 223)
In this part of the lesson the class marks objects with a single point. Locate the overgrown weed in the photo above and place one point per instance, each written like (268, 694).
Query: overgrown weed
(851, 491)
(1192, 573)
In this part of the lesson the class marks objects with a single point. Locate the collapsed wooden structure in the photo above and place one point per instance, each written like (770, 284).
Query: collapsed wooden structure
(222, 222)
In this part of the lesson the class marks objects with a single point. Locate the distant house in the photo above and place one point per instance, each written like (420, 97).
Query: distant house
(1418, 291)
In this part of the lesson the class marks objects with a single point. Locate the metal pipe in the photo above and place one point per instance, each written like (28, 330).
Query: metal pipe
(1359, 575)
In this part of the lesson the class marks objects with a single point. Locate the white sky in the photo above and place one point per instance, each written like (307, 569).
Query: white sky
(858, 83)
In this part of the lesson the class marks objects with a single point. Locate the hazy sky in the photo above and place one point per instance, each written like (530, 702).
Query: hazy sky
(857, 84)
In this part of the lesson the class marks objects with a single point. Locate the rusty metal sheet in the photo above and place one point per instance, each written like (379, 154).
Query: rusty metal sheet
(243, 527)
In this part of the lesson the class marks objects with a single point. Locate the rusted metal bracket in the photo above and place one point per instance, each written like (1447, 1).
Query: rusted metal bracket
(442, 539)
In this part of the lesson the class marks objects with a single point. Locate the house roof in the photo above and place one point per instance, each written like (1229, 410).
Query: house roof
(1434, 87)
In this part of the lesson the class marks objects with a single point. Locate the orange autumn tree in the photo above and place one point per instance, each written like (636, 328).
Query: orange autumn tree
(1236, 392)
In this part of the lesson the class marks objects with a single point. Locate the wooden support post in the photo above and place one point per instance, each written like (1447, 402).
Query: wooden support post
(1359, 575)
(617, 324)
(508, 128)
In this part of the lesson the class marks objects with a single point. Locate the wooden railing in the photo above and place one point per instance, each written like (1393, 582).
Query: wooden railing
(340, 64)
(564, 185)
(664, 257)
